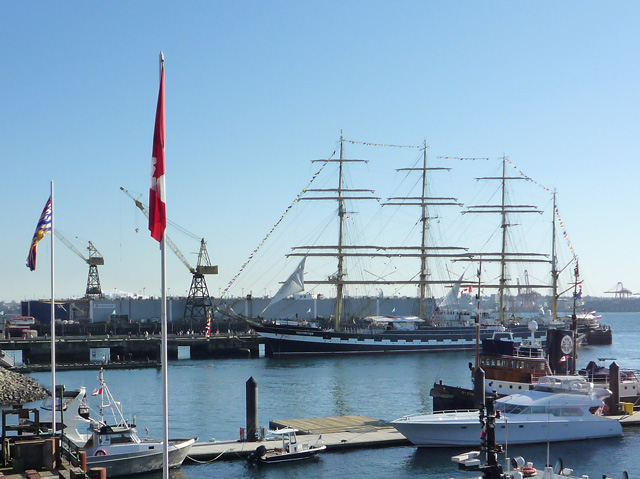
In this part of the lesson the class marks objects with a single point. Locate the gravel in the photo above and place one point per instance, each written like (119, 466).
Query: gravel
(16, 388)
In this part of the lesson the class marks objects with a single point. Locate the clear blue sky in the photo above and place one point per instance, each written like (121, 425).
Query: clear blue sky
(255, 90)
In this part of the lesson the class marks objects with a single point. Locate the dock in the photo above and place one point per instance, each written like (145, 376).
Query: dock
(337, 433)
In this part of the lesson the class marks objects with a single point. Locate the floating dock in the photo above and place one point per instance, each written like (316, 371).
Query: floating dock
(337, 433)
(340, 432)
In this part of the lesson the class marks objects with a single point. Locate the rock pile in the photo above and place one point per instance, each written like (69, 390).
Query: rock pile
(16, 388)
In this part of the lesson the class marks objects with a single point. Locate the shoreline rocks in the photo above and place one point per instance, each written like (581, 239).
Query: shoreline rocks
(16, 388)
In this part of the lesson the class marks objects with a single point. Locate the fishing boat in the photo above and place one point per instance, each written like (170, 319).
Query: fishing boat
(557, 409)
(290, 450)
(117, 447)
(432, 329)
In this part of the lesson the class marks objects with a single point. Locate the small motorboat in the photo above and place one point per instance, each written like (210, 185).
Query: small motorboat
(291, 449)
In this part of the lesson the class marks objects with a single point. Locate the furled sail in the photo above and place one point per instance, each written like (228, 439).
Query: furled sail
(451, 300)
(293, 285)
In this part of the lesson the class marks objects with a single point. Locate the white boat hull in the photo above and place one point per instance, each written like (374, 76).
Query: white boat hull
(464, 429)
(142, 461)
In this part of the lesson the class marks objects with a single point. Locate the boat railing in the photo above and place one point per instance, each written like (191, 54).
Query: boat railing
(529, 353)
(70, 451)
(406, 417)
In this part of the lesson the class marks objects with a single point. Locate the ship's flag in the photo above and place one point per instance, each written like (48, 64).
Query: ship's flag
(157, 202)
(97, 392)
(468, 290)
(208, 331)
(43, 227)
(563, 359)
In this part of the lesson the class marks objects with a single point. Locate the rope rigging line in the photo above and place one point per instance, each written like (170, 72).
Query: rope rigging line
(257, 248)
(366, 143)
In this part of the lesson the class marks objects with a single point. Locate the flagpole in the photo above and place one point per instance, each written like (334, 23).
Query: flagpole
(53, 330)
(164, 359)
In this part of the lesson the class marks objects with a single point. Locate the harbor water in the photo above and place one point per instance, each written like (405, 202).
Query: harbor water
(207, 400)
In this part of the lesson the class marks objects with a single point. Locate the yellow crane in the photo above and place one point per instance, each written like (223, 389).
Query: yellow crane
(94, 260)
(198, 302)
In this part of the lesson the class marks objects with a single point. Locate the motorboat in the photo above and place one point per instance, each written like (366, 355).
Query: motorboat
(122, 452)
(559, 408)
(117, 446)
(291, 449)
(486, 461)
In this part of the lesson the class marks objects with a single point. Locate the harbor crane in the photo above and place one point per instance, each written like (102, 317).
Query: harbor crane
(94, 260)
(198, 302)
(620, 291)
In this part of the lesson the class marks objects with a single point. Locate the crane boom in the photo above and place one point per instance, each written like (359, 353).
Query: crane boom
(70, 245)
(168, 240)
(198, 305)
(94, 260)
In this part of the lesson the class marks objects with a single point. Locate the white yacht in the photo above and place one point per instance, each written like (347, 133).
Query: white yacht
(559, 408)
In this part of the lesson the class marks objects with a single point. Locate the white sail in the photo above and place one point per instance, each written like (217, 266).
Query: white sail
(451, 300)
(293, 285)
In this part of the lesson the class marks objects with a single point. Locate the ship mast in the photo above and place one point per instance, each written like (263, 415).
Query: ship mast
(423, 243)
(424, 202)
(554, 265)
(504, 256)
(340, 272)
(339, 194)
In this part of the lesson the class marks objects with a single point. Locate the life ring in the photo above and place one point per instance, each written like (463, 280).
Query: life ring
(100, 452)
(529, 471)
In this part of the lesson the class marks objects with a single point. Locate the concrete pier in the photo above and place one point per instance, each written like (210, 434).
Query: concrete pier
(74, 349)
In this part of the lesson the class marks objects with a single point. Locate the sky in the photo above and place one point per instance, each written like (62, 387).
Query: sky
(256, 90)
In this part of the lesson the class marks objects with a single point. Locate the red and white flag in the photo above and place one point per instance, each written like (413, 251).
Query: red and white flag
(157, 201)
(564, 359)
(468, 290)
(97, 392)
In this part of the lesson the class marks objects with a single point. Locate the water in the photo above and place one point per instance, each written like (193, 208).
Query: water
(207, 400)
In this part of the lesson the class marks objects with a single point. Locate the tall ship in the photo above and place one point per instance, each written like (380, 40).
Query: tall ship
(433, 327)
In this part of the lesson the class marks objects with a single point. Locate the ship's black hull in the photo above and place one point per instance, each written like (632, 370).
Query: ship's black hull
(284, 340)
(599, 336)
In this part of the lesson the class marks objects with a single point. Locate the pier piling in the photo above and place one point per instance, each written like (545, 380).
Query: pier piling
(252, 409)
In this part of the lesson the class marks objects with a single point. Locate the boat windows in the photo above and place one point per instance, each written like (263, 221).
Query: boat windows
(566, 411)
(120, 439)
(514, 409)
(572, 411)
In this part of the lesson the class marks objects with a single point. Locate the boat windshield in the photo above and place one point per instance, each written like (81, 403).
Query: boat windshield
(563, 385)
(558, 411)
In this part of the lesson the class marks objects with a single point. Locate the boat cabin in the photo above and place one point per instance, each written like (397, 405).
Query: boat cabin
(104, 436)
